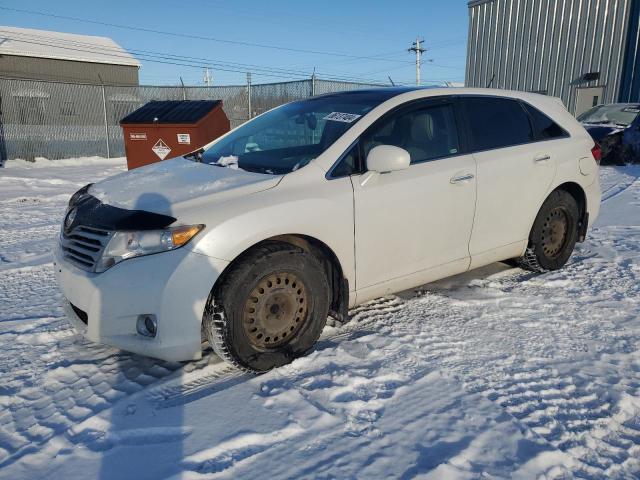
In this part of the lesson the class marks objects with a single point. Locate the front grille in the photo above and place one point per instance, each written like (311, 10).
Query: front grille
(82, 315)
(83, 246)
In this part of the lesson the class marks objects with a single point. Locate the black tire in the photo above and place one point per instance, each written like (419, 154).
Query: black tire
(553, 235)
(289, 317)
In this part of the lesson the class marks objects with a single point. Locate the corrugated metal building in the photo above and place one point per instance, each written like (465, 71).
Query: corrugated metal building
(65, 57)
(584, 51)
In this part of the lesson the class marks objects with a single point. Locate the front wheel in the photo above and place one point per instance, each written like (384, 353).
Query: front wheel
(269, 308)
(553, 235)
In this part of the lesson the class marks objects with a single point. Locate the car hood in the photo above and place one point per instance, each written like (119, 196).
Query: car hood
(598, 132)
(161, 187)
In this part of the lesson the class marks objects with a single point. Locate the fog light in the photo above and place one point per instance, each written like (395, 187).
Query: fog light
(147, 325)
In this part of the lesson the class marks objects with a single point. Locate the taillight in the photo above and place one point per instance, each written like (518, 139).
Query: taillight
(596, 151)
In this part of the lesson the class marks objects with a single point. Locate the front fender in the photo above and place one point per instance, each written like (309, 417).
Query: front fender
(323, 212)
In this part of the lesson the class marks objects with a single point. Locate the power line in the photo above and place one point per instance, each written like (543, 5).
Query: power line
(148, 55)
(451, 67)
(170, 59)
(191, 36)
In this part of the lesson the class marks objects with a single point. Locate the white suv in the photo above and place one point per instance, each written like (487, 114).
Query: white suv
(319, 205)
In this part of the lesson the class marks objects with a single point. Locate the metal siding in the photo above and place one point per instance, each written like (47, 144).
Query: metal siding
(565, 16)
(550, 44)
(482, 50)
(493, 66)
(542, 38)
(50, 69)
(618, 51)
(516, 52)
(564, 81)
(524, 44)
(536, 48)
(634, 94)
(499, 53)
(495, 54)
(630, 88)
(552, 47)
(609, 29)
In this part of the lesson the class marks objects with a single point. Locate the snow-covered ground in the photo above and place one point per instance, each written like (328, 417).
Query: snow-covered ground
(497, 373)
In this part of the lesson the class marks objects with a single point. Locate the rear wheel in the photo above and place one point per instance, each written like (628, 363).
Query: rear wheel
(269, 309)
(554, 234)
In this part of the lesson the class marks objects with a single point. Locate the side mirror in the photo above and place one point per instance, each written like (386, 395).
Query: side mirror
(387, 158)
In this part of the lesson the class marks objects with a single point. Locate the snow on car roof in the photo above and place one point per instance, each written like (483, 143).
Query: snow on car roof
(27, 42)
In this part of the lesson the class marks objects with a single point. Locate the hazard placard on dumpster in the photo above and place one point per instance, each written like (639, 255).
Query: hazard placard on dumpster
(161, 149)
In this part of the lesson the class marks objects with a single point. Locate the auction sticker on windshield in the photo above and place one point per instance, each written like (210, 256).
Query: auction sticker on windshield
(342, 117)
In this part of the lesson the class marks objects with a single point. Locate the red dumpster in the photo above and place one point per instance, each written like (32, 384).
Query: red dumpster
(168, 129)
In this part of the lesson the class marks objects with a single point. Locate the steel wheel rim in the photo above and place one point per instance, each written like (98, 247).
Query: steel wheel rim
(555, 232)
(275, 310)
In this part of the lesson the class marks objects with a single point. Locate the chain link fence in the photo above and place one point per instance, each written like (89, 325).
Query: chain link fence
(61, 120)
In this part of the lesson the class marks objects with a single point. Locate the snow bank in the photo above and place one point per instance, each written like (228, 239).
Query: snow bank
(41, 162)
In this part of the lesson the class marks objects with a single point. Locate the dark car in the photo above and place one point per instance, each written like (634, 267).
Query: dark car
(616, 127)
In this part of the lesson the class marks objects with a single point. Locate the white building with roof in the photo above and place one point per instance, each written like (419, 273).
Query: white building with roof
(65, 57)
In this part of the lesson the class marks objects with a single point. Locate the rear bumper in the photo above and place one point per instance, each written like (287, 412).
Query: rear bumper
(173, 286)
(594, 197)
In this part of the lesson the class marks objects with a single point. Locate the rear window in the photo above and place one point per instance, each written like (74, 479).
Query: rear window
(620, 115)
(496, 122)
(544, 127)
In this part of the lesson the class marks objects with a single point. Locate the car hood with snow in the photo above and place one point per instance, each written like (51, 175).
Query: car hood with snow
(160, 187)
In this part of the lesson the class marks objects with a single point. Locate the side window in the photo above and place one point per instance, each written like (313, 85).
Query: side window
(544, 127)
(496, 122)
(426, 133)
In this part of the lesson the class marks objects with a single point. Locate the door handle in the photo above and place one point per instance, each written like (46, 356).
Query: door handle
(542, 158)
(462, 178)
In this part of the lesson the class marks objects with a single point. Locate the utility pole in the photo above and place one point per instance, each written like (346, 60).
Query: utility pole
(249, 95)
(418, 51)
(184, 90)
(207, 77)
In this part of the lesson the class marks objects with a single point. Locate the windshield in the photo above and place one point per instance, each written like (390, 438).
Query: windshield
(622, 115)
(289, 137)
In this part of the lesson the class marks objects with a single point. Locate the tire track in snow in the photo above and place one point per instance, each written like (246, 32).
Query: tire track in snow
(619, 188)
(58, 379)
(586, 407)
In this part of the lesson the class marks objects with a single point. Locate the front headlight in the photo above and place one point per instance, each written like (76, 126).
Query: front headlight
(130, 244)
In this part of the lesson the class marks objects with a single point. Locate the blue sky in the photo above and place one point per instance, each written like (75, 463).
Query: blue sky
(379, 29)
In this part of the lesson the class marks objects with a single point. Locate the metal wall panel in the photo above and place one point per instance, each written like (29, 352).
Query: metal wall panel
(630, 88)
(548, 45)
(57, 70)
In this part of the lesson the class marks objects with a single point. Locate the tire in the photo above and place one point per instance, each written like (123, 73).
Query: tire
(553, 235)
(269, 308)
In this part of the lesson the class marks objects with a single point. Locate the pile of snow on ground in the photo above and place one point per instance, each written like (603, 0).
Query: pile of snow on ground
(494, 373)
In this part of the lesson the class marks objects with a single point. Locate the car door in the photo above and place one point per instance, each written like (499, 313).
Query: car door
(514, 172)
(419, 218)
